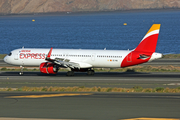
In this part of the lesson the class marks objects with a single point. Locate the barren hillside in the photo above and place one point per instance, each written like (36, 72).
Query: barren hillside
(45, 6)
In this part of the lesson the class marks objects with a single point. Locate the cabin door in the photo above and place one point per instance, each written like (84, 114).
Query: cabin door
(93, 55)
(16, 56)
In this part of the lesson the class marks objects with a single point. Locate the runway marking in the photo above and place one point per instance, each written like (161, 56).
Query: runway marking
(173, 84)
(49, 95)
(151, 119)
(162, 96)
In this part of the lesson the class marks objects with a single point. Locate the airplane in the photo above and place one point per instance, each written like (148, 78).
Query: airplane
(84, 60)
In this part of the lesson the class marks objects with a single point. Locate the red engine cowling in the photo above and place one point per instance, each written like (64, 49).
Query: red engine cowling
(48, 68)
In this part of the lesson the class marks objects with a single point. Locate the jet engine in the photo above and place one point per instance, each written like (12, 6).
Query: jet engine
(48, 68)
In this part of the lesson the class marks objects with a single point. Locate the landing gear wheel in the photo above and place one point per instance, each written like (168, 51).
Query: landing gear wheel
(90, 72)
(70, 73)
(21, 73)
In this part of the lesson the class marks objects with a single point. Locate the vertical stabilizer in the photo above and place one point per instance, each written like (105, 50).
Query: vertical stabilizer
(149, 42)
(145, 51)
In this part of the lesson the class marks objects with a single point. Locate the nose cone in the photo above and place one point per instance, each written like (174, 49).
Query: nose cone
(156, 56)
(6, 59)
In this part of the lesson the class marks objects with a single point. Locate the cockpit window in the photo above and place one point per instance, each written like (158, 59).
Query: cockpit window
(9, 54)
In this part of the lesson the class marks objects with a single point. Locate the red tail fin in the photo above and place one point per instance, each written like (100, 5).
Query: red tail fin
(144, 50)
(148, 43)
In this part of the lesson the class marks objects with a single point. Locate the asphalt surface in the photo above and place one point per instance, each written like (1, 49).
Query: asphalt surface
(100, 79)
(97, 106)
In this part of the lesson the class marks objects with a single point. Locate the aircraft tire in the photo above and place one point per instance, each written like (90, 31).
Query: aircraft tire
(70, 73)
(90, 72)
(21, 73)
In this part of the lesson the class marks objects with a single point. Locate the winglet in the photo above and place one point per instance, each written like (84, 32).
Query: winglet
(49, 54)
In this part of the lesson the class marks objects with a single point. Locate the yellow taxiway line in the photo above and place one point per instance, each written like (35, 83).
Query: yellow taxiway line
(33, 119)
(1, 118)
(151, 119)
(49, 95)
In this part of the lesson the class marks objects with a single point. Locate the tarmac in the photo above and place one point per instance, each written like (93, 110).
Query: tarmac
(100, 79)
(93, 105)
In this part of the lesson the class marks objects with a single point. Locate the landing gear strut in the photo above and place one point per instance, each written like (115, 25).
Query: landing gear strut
(21, 72)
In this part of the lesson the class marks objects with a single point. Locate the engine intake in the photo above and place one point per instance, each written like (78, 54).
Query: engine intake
(48, 68)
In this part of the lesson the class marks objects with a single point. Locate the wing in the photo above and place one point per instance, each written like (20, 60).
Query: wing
(61, 62)
(66, 63)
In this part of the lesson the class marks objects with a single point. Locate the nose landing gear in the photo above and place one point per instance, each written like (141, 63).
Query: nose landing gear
(21, 72)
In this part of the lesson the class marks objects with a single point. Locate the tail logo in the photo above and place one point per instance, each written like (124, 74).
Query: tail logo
(148, 43)
(143, 52)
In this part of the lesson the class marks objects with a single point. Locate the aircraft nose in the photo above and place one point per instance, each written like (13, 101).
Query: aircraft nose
(6, 59)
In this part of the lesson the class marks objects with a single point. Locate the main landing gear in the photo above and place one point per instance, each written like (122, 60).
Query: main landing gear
(21, 72)
(90, 72)
(71, 72)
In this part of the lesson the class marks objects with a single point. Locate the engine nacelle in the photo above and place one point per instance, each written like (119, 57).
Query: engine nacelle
(48, 68)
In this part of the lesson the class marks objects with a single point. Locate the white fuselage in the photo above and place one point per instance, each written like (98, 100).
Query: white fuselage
(85, 58)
